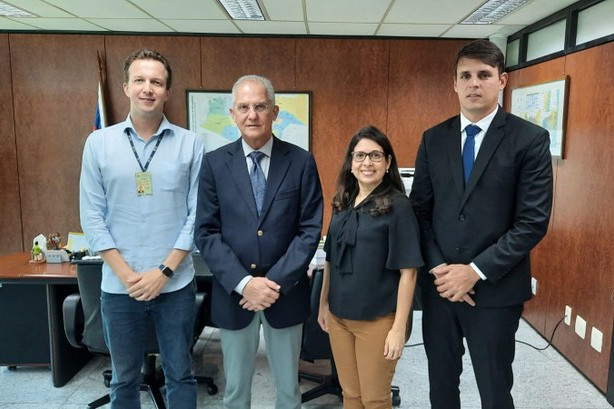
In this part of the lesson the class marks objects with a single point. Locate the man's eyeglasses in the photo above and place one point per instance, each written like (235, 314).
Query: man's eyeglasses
(258, 108)
(375, 156)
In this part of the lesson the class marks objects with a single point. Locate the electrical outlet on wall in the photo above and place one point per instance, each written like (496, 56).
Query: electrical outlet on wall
(567, 315)
(596, 339)
(581, 327)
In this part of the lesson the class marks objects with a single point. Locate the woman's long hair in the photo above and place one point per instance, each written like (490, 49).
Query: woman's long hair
(347, 185)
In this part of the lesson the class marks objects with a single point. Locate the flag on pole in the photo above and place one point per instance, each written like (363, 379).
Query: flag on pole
(100, 121)
(101, 117)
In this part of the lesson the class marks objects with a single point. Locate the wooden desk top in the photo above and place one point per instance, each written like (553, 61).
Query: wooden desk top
(17, 267)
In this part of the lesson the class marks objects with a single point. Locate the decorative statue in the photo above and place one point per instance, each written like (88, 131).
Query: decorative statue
(37, 255)
(54, 241)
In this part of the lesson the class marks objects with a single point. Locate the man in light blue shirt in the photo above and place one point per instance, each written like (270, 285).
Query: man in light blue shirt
(138, 192)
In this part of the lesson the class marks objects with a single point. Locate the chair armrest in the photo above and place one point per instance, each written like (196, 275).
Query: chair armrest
(74, 321)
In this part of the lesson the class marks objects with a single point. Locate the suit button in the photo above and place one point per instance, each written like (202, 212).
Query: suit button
(253, 266)
(260, 233)
(462, 218)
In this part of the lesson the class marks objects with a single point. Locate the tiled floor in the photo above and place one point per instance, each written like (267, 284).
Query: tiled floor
(543, 380)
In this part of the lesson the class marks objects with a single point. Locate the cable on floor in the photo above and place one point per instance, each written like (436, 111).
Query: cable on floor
(518, 341)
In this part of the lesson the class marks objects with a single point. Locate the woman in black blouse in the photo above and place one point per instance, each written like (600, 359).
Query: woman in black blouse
(372, 252)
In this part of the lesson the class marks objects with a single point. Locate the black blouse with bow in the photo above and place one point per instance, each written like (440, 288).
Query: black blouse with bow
(366, 253)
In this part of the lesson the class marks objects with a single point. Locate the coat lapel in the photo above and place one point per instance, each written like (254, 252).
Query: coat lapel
(491, 141)
(278, 167)
(452, 142)
(238, 169)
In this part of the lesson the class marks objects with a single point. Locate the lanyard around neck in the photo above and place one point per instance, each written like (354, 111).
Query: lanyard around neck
(153, 152)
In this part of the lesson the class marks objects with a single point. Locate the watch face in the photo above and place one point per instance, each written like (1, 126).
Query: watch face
(166, 270)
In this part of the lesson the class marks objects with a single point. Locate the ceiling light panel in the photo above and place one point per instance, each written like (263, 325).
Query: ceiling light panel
(242, 9)
(12, 11)
(492, 11)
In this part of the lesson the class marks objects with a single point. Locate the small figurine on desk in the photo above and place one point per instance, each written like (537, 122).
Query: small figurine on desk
(37, 255)
(54, 241)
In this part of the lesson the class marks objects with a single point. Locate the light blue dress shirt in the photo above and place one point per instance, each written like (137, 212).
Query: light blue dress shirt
(145, 229)
(265, 163)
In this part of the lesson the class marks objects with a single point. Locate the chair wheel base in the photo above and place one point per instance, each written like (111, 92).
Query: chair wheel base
(396, 397)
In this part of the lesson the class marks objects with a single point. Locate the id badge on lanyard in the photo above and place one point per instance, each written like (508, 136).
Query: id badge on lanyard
(144, 184)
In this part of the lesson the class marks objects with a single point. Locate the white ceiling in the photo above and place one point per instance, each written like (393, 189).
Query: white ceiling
(403, 18)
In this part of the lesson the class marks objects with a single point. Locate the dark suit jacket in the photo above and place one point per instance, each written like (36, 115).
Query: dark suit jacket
(279, 244)
(500, 215)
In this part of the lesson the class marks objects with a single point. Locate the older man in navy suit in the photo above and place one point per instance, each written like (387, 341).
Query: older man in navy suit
(258, 223)
(482, 194)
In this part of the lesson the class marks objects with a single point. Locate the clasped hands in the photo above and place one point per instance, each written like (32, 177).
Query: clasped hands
(145, 286)
(259, 293)
(455, 282)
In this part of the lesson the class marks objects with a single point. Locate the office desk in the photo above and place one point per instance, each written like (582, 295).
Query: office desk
(31, 322)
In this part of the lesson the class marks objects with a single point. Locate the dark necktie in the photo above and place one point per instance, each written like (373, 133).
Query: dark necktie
(469, 150)
(257, 178)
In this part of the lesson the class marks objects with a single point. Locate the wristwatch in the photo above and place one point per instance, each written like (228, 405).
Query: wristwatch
(166, 270)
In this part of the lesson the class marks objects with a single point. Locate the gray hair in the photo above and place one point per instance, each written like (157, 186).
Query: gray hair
(270, 92)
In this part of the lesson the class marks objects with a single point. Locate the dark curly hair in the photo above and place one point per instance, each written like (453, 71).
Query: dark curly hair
(347, 185)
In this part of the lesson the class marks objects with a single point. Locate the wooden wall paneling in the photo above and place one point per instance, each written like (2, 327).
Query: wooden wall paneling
(55, 79)
(11, 239)
(584, 212)
(543, 257)
(183, 54)
(421, 92)
(349, 80)
(226, 59)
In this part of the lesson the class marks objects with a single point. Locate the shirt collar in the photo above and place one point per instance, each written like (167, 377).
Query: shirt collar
(165, 125)
(483, 123)
(267, 148)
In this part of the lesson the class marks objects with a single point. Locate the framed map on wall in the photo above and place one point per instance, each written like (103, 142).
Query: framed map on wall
(209, 117)
(545, 105)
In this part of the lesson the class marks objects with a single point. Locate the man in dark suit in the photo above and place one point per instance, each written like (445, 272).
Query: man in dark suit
(482, 194)
(258, 223)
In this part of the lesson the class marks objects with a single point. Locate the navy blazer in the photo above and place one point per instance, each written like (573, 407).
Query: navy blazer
(235, 242)
(495, 220)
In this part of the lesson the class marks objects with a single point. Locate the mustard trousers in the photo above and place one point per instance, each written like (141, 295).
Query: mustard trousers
(358, 350)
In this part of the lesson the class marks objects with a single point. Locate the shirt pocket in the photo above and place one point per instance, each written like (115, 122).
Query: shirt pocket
(172, 179)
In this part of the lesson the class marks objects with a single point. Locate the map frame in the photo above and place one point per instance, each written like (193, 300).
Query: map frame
(195, 97)
(522, 104)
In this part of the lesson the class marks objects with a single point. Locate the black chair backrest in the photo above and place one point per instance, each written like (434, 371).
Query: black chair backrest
(316, 344)
(89, 277)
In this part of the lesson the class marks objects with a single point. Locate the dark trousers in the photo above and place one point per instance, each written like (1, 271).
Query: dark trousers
(490, 335)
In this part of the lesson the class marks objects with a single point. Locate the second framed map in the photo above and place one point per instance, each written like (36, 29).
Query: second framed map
(545, 105)
(209, 117)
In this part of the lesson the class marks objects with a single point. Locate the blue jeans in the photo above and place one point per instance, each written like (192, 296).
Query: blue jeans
(124, 324)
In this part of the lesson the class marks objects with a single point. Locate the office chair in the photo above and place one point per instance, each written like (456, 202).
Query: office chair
(83, 328)
(316, 345)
